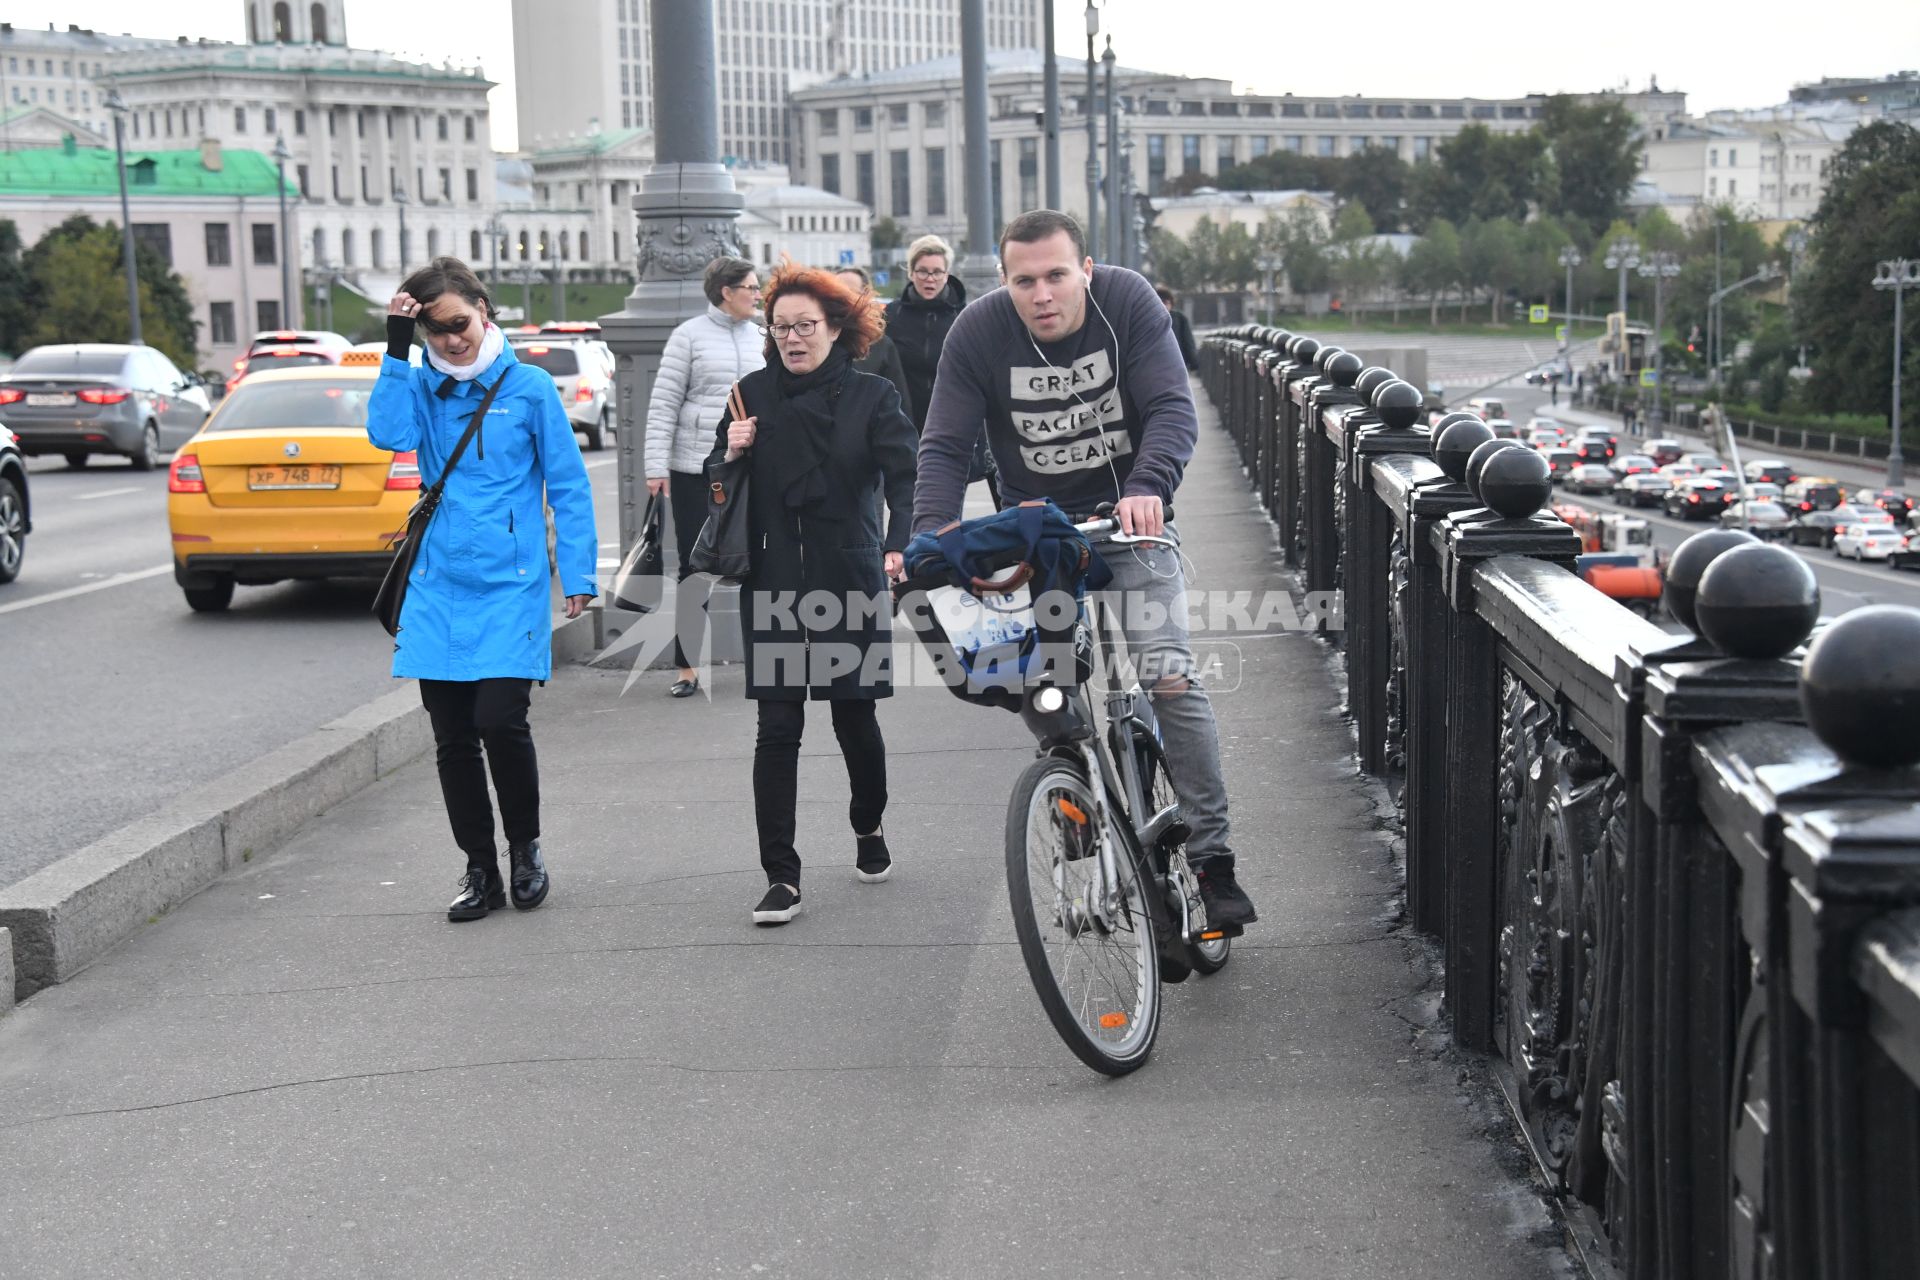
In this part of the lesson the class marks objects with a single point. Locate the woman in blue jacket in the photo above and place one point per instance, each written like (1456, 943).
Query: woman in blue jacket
(476, 629)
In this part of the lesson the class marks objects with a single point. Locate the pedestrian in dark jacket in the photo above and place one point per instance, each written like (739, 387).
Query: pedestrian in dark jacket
(883, 357)
(919, 318)
(1182, 329)
(476, 628)
(822, 440)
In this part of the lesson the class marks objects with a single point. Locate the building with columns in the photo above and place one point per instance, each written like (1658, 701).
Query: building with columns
(578, 62)
(892, 140)
(367, 132)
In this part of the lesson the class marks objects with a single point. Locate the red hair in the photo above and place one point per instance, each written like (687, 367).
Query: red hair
(855, 312)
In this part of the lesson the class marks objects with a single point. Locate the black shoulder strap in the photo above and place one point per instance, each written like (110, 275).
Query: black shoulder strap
(473, 425)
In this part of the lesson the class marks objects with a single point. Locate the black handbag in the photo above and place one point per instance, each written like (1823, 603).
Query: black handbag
(392, 595)
(638, 585)
(724, 546)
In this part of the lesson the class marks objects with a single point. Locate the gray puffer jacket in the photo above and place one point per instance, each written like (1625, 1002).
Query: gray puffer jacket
(705, 356)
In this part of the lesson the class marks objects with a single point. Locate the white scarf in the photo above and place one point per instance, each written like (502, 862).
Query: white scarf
(491, 345)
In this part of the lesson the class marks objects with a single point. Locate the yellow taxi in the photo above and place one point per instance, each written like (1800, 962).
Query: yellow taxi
(281, 483)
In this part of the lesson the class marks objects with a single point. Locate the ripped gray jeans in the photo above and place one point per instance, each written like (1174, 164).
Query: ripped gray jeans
(1147, 599)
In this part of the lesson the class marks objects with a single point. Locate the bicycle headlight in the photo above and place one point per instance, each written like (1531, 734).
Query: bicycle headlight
(1049, 700)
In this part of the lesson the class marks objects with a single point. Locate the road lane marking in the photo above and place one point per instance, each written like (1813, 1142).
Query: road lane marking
(106, 493)
(118, 579)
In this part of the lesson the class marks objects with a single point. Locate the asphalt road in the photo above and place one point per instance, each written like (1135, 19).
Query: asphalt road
(1843, 584)
(116, 695)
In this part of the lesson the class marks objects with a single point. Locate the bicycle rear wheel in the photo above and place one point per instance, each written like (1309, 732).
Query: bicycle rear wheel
(1097, 973)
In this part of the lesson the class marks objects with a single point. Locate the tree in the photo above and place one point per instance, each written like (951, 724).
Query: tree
(1172, 261)
(885, 233)
(1481, 174)
(1595, 149)
(1303, 247)
(1433, 265)
(1490, 256)
(14, 284)
(1870, 212)
(1275, 171)
(1377, 179)
(76, 292)
(1357, 265)
(1235, 258)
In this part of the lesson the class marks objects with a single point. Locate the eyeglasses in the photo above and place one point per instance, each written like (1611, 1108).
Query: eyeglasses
(804, 328)
(750, 288)
(929, 273)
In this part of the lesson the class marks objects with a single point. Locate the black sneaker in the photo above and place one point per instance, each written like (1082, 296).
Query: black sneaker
(781, 904)
(481, 891)
(872, 862)
(1227, 903)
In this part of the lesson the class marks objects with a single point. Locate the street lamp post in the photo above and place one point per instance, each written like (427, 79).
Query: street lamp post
(1715, 324)
(1569, 258)
(1051, 70)
(1623, 255)
(400, 203)
(1269, 265)
(118, 105)
(1659, 267)
(1113, 161)
(1897, 275)
(1129, 237)
(494, 231)
(280, 157)
(1093, 140)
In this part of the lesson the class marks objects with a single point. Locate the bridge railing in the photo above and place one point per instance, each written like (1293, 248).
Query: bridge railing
(1676, 878)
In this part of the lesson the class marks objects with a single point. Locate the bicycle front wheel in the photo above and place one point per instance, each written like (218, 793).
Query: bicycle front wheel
(1094, 964)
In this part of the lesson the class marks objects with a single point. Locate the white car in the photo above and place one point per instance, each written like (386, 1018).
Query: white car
(1537, 423)
(1762, 517)
(1868, 538)
(583, 374)
(1503, 428)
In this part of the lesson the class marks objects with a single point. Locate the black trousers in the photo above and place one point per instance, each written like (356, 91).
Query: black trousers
(687, 498)
(469, 714)
(776, 769)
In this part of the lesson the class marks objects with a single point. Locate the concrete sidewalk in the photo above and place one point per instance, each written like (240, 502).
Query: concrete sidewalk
(306, 1070)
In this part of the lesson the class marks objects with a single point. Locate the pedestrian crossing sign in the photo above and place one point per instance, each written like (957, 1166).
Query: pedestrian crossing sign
(1537, 315)
(1649, 377)
(1560, 333)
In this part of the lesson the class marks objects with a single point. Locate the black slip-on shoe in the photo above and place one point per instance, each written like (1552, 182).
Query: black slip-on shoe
(872, 861)
(684, 688)
(781, 904)
(480, 892)
(528, 875)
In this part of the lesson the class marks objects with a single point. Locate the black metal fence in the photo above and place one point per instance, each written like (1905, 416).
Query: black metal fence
(1794, 439)
(1677, 878)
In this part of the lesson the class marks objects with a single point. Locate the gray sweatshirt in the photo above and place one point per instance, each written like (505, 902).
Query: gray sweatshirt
(1102, 414)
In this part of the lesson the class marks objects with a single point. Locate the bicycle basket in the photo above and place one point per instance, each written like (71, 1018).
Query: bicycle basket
(989, 647)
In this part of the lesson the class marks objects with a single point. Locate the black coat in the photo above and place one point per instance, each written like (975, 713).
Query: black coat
(836, 551)
(1183, 335)
(884, 359)
(918, 326)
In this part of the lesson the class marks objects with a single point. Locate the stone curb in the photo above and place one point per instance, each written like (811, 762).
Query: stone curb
(67, 915)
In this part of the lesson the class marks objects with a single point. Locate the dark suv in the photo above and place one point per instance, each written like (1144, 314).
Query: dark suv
(16, 512)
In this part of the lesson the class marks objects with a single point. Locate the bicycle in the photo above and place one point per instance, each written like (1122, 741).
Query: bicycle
(1105, 904)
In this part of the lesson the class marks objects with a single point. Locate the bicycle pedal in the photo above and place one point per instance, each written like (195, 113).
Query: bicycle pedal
(1216, 932)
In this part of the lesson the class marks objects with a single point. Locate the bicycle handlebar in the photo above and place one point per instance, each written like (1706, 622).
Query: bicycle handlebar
(1104, 527)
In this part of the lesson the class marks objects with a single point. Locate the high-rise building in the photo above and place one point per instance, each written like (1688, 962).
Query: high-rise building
(578, 62)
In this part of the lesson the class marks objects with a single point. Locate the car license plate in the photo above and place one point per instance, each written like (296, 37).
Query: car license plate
(293, 477)
(50, 400)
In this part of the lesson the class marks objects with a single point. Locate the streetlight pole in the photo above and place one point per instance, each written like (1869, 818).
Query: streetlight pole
(1623, 255)
(1569, 258)
(1113, 161)
(1051, 63)
(1659, 267)
(400, 203)
(1093, 141)
(1767, 271)
(494, 231)
(118, 105)
(280, 157)
(1129, 236)
(1898, 275)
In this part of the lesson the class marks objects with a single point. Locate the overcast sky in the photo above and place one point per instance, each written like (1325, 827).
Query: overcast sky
(1721, 56)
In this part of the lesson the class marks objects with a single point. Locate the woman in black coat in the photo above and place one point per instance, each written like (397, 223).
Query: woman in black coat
(821, 441)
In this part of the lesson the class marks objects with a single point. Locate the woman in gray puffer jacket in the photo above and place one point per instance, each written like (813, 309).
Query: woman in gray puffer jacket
(705, 356)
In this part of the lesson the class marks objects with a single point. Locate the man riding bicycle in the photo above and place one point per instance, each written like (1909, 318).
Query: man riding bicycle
(1080, 383)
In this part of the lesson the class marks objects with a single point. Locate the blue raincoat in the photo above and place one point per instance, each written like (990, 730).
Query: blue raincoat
(479, 606)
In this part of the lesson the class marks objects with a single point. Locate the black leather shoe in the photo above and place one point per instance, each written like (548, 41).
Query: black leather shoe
(529, 875)
(480, 892)
(684, 688)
